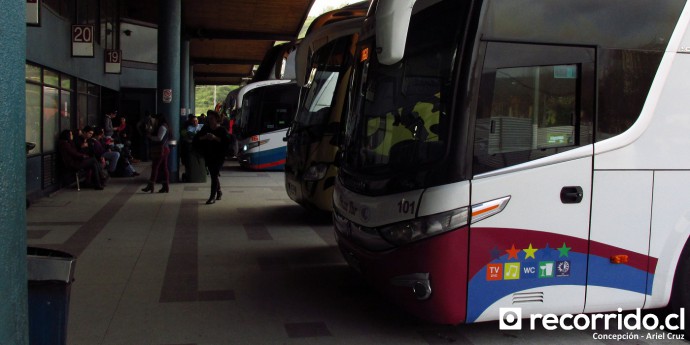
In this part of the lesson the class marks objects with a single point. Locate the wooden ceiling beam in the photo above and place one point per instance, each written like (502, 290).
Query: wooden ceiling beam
(211, 34)
(223, 61)
(220, 75)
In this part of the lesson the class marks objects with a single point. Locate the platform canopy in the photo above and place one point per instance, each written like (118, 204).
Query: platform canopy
(228, 37)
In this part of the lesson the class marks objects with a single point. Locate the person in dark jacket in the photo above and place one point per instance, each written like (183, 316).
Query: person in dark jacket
(212, 142)
(159, 145)
(75, 160)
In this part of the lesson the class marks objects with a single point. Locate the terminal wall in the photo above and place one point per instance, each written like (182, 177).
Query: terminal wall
(50, 45)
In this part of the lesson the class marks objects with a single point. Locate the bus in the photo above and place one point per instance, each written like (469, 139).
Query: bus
(264, 114)
(312, 138)
(278, 63)
(498, 157)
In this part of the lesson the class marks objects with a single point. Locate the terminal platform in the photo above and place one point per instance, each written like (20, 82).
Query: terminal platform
(253, 268)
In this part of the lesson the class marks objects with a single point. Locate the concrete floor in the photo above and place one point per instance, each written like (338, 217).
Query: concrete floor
(254, 268)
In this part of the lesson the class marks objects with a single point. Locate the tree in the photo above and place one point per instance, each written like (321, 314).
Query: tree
(204, 96)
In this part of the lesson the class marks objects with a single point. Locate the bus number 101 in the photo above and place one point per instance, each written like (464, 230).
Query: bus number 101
(406, 207)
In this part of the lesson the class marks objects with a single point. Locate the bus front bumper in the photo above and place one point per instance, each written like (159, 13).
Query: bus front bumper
(427, 278)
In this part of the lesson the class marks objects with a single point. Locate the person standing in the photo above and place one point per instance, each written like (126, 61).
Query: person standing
(145, 128)
(159, 155)
(122, 132)
(212, 141)
(108, 129)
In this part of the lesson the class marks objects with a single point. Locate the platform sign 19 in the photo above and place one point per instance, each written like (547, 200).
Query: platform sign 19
(113, 61)
(82, 40)
(33, 12)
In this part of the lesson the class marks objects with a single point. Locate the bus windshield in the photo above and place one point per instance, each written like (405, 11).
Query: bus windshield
(317, 98)
(267, 109)
(397, 131)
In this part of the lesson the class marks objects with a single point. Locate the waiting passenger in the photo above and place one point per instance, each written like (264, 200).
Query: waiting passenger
(159, 156)
(193, 126)
(108, 127)
(75, 160)
(212, 142)
(101, 149)
(123, 167)
(122, 132)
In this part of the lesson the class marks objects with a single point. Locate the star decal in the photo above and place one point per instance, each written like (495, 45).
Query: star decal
(529, 252)
(495, 253)
(513, 253)
(563, 251)
(547, 252)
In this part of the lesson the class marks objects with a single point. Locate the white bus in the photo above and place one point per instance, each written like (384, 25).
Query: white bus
(519, 153)
(266, 109)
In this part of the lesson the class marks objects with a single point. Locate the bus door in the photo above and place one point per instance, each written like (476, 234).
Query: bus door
(620, 273)
(531, 190)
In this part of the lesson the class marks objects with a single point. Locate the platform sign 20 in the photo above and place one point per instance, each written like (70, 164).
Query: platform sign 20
(82, 40)
(113, 61)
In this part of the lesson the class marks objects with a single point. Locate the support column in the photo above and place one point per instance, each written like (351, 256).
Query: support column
(14, 324)
(192, 90)
(169, 92)
(184, 79)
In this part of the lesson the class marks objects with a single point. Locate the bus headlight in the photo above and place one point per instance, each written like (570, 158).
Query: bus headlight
(420, 228)
(315, 172)
(253, 144)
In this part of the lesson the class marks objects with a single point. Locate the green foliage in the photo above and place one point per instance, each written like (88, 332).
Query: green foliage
(204, 96)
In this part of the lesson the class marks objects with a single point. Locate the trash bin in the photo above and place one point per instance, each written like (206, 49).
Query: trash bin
(50, 274)
(196, 170)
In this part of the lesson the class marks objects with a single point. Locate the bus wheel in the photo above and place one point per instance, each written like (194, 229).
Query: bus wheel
(680, 297)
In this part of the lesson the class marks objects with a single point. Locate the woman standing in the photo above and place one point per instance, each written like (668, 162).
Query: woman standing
(212, 141)
(159, 143)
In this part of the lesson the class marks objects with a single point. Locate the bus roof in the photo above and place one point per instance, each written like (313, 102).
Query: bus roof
(258, 84)
(320, 38)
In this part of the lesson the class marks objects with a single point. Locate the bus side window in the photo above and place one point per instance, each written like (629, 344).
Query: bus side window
(536, 109)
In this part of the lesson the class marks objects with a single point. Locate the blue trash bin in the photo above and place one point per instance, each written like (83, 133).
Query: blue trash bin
(50, 274)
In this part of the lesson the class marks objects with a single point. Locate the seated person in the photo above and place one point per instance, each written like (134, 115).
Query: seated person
(193, 126)
(124, 168)
(100, 152)
(75, 160)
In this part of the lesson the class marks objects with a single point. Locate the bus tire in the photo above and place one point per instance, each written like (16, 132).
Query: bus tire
(680, 295)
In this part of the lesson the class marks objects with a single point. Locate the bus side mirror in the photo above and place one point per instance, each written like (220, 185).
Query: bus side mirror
(392, 22)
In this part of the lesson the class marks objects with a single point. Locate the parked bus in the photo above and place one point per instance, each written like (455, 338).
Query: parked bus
(495, 157)
(312, 138)
(265, 113)
(278, 63)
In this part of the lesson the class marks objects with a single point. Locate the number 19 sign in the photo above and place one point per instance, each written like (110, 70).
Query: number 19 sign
(82, 40)
(113, 61)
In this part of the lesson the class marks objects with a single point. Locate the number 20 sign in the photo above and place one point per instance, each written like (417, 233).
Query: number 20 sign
(82, 40)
